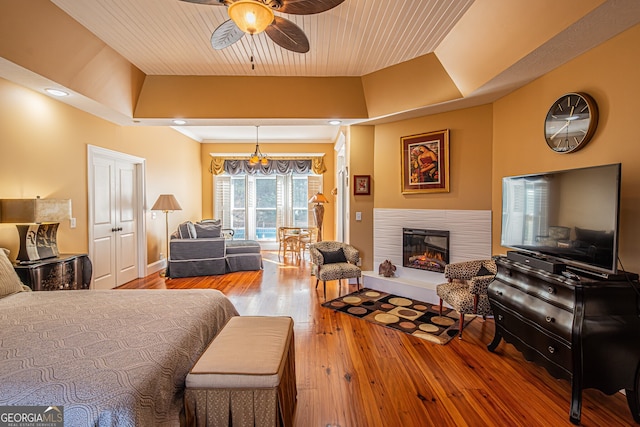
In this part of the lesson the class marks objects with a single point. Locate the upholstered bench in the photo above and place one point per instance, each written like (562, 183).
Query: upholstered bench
(243, 255)
(246, 377)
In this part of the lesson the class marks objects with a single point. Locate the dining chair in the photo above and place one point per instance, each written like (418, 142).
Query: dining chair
(289, 240)
(308, 236)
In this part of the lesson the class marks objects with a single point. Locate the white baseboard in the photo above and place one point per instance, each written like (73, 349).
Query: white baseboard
(154, 267)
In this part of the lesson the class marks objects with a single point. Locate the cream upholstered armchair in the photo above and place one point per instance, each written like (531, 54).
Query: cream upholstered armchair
(335, 261)
(466, 290)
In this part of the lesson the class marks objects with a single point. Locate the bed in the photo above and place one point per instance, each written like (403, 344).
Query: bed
(110, 358)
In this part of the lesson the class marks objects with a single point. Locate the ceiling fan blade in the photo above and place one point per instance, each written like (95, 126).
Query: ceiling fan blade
(288, 35)
(307, 7)
(208, 2)
(225, 35)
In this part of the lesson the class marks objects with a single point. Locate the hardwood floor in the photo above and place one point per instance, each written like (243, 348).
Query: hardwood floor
(353, 373)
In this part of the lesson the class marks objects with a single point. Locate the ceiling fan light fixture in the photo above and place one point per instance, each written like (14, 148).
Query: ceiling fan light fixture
(251, 16)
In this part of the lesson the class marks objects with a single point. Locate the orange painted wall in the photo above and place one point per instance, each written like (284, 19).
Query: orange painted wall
(361, 162)
(470, 161)
(378, 153)
(43, 151)
(609, 73)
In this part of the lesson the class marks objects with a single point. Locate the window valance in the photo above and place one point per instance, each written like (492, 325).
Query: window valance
(278, 166)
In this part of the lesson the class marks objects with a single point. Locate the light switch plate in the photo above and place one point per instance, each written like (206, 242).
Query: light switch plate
(358, 216)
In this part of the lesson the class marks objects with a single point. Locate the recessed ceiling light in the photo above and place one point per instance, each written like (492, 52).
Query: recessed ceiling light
(56, 92)
(335, 122)
(179, 122)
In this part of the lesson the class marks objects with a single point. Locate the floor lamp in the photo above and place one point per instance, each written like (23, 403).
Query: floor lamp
(166, 203)
(318, 211)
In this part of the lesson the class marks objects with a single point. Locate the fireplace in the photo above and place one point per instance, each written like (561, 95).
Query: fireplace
(425, 249)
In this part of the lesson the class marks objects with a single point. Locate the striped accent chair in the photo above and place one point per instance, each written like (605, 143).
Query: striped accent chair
(335, 261)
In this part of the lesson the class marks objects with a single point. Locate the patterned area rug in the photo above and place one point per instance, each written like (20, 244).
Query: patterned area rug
(413, 317)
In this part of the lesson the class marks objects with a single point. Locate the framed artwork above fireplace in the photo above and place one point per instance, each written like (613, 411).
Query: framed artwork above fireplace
(425, 162)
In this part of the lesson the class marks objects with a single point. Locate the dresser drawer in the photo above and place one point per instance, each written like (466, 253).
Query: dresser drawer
(550, 290)
(66, 272)
(535, 343)
(547, 316)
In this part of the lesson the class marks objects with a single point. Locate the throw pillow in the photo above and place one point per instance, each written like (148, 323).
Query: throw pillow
(9, 281)
(333, 257)
(211, 221)
(186, 230)
(207, 229)
(484, 272)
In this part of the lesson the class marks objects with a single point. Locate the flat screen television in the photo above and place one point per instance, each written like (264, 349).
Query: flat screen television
(570, 216)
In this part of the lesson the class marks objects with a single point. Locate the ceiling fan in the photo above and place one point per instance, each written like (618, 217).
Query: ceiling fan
(255, 16)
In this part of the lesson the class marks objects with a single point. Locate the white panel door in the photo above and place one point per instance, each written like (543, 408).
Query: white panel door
(104, 224)
(114, 243)
(126, 238)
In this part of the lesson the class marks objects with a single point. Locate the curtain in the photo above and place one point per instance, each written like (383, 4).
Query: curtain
(299, 165)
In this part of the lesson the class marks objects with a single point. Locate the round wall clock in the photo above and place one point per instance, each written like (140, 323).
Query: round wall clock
(571, 122)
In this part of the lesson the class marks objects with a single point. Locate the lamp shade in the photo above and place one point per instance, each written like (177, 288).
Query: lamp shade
(34, 211)
(37, 221)
(166, 202)
(251, 16)
(318, 198)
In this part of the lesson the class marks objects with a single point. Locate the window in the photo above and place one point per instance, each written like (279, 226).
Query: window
(266, 195)
(300, 203)
(256, 205)
(238, 206)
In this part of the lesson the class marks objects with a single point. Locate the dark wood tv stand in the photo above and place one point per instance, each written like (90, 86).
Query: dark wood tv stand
(584, 330)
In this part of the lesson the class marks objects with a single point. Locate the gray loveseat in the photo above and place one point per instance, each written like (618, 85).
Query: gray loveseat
(199, 249)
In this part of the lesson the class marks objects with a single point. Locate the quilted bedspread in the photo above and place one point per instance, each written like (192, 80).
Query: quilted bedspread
(110, 358)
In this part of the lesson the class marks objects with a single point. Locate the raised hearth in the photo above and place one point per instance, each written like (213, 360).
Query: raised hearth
(469, 239)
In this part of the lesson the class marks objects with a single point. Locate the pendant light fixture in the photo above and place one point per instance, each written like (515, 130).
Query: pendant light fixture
(257, 156)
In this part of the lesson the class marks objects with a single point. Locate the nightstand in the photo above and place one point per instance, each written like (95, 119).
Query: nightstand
(65, 272)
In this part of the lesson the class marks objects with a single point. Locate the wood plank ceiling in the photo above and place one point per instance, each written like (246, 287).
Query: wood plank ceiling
(171, 37)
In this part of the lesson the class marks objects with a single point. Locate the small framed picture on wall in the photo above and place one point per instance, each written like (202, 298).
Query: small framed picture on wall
(361, 185)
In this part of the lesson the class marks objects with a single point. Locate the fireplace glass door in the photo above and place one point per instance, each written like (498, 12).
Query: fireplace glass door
(425, 249)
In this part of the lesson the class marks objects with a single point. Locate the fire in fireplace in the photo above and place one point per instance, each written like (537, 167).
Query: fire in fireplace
(425, 249)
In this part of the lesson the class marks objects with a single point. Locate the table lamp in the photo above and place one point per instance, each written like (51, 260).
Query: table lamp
(37, 221)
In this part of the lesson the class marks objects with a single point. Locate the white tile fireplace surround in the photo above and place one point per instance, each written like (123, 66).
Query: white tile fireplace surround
(469, 239)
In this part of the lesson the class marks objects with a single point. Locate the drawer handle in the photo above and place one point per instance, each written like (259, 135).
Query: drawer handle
(550, 289)
(550, 319)
(551, 350)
